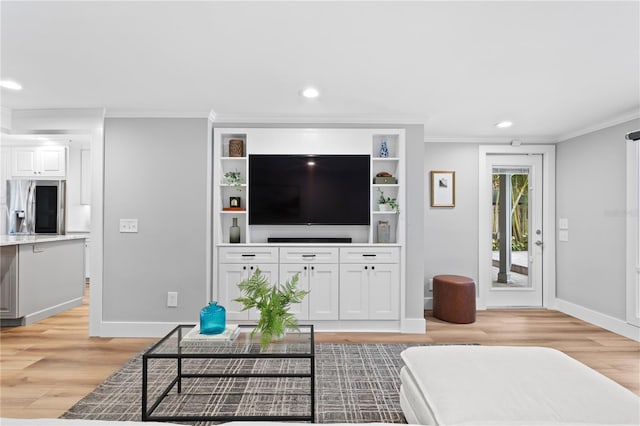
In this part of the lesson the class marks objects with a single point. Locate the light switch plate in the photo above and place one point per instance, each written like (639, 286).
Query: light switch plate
(563, 235)
(563, 223)
(128, 225)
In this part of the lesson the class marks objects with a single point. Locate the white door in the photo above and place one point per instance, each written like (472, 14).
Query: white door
(516, 231)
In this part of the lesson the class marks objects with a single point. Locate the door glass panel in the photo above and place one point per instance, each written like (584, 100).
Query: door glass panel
(510, 228)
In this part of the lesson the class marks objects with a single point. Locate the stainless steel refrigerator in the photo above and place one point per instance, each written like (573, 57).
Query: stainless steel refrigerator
(36, 206)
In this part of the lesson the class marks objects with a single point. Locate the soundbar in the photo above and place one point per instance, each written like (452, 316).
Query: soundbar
(308, 240)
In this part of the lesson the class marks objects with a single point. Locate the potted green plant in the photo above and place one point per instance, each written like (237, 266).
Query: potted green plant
(273, 302)
(387, 203)
(233, 178)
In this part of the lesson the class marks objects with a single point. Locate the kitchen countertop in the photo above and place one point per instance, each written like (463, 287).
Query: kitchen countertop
(13, 240)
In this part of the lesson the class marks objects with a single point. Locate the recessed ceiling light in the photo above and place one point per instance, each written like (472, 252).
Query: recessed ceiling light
(310, 92)
(8, 84)
(504, 124)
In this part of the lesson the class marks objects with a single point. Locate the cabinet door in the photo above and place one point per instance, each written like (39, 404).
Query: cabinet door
(288, 270)
(9, 282)
(354, 292)
(23, 162)
(52, 161)
(232, 274)
(323, 292)
(384, 289)
(39, 162)
(229, 275)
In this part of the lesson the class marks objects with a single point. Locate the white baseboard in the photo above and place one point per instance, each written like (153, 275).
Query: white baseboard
(414, 325)
(607, 322)
(53, 310)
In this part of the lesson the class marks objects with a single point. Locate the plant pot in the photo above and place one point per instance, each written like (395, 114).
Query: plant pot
(384, 207)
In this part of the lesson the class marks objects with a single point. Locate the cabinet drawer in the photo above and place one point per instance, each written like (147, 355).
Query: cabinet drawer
(248, 255)
(370, 254)
(308, 255)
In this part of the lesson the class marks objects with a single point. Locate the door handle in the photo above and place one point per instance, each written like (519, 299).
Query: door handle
(539, 243)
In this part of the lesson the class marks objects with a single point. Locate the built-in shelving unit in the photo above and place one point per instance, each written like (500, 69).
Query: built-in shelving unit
(354, 286)
(223, 191)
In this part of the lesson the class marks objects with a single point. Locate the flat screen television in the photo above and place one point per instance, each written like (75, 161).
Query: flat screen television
(309, 189)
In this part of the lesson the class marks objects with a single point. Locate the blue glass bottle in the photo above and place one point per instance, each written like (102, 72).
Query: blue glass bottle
(213, 319)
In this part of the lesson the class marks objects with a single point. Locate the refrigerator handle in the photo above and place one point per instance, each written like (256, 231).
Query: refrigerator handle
(30, 220)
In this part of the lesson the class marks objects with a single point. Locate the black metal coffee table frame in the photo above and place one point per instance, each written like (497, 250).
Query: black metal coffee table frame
(179, 355)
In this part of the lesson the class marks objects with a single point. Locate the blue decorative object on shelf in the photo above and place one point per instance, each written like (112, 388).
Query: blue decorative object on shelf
(213, 319)
(384, 149)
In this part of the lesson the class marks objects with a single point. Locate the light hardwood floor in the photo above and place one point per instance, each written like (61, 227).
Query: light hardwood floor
(50, 365)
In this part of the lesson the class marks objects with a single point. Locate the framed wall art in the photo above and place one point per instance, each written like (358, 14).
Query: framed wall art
(443, 188)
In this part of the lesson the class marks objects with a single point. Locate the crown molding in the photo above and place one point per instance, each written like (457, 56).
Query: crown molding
(117, 113)
(526, 140)
(319, 119)
(631, 115)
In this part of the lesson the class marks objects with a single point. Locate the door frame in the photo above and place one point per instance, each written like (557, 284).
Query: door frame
(548, 153)
(633, 233)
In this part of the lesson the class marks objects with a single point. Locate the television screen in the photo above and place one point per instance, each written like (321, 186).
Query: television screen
(309, 189)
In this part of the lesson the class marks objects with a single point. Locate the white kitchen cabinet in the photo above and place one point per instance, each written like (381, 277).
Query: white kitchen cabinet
(40, 279)
(369, 283)
(9, 282)
(39, 162)
(240, 264)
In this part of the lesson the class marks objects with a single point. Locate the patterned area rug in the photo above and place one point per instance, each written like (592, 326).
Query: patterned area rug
(355, 383)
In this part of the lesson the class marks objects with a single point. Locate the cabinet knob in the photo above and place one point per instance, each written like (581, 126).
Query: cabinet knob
(244, 267)
(312, 268)
(373, 267)
(305, 268)
(251, 268)
(366, 267)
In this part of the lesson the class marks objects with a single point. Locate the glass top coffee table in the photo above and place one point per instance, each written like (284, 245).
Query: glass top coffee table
(230, 381)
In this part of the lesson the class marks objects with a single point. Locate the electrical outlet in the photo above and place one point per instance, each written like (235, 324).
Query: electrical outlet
(172, 299)
(128, 225)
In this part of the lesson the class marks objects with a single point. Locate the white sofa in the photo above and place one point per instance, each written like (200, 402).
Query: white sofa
(492, 385)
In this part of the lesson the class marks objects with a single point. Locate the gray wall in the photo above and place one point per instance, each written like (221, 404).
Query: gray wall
(590, 191)
(451, 234)
(414, 213)
(155, 171)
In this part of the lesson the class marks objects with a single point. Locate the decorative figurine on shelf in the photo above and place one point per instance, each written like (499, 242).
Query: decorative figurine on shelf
(213, 319)
(234, 232)
(384, 149)
(234, 202)
(236, 148)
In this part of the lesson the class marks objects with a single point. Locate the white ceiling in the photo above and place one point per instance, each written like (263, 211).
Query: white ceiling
(553, 68)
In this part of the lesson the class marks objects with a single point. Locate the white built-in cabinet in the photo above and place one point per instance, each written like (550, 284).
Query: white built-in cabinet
(369, 283)
(351, 286)
(39, 162)
(236, 265)
(318, 273)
